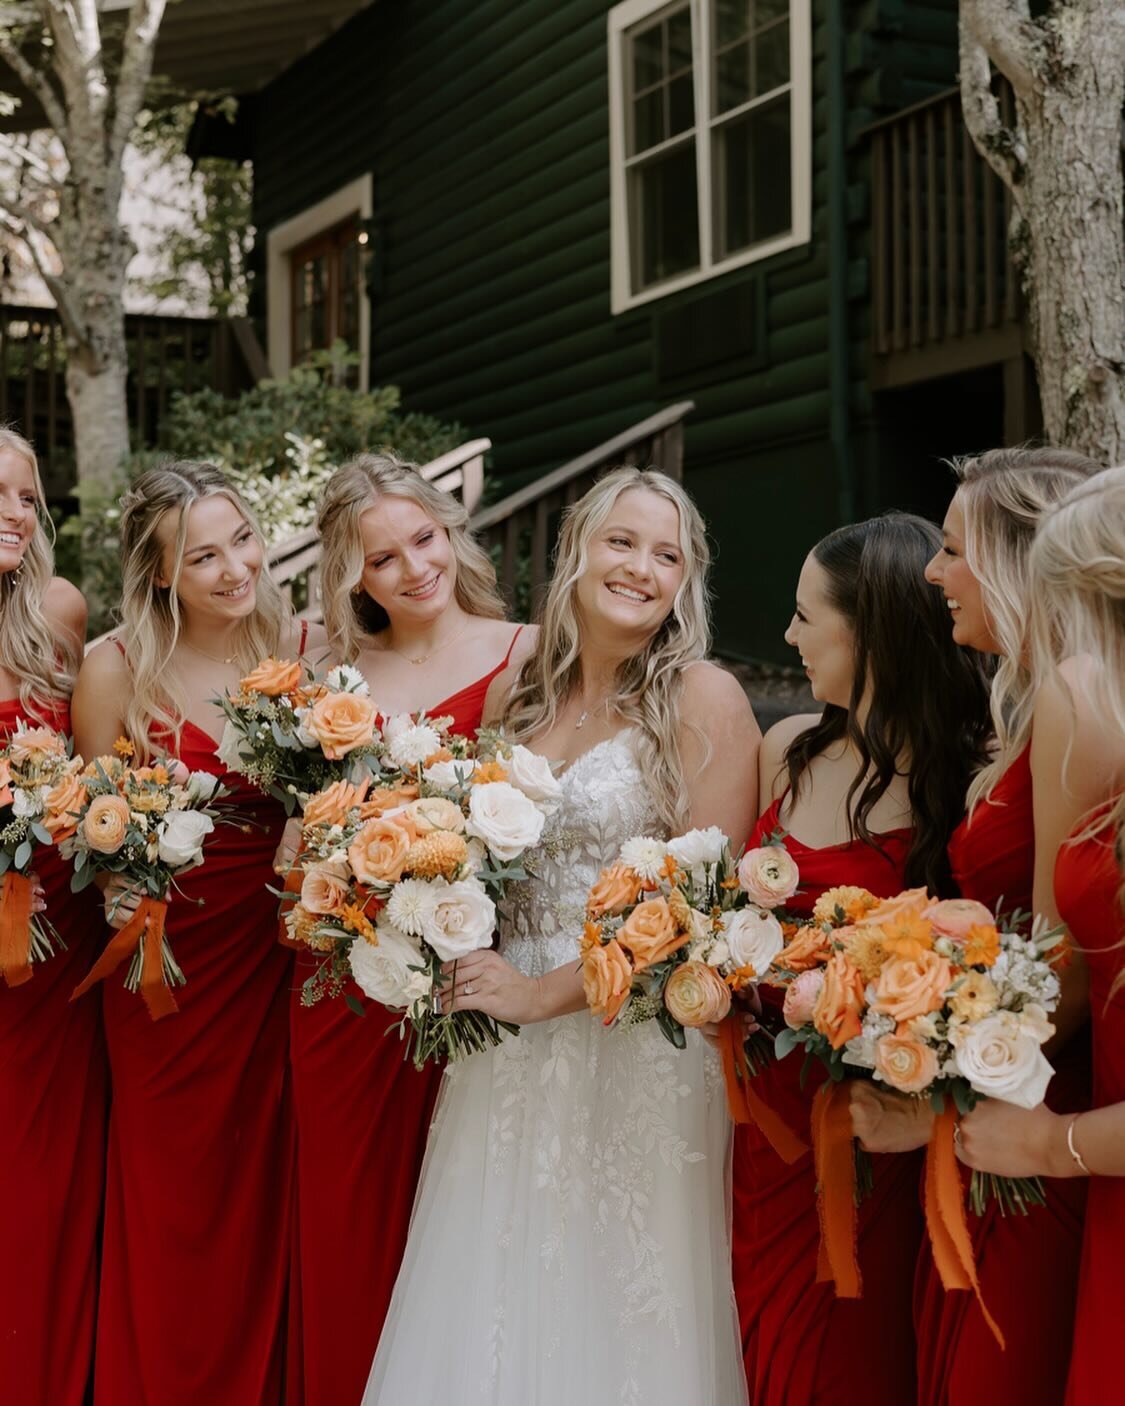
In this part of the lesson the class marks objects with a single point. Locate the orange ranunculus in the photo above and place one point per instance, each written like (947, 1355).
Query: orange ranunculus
(889, 908)
(5, 782)
(273, 677)
(907, 934)
(435, 813)
(851, 900)
(330, 806)
(614, 889)
(695, 994)
(385, 798)
(378, 852)
(105, 823)
(324, 889)
(912, 986)
(839, 1007)
(809, 948)
(650, 933)
(35, 744)
(340, 722)
(606, 978)
(65, 798)
(982, 945)
(905, 1063)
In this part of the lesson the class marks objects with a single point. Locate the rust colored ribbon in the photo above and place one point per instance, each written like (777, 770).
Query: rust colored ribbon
(291, 891)
(147, 921)
(744, 1104)
(15, 928)
(945, 1215)
(835, 1181)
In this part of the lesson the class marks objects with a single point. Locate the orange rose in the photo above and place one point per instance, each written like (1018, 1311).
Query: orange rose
(905, 1063)
(890, 908)
(340, 722)
(35, 744)
(614, 889)
(105, 824)
(386, 798)
(606, 978)
(65, 798)
(650, 933)
(809, 948)
(695, 994)
(378, 853)
(839, 1007)
(912, 986)
(273, 677)
(324, 889)
(330, 806)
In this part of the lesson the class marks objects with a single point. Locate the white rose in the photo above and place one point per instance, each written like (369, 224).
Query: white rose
(1002, 1060)
(476, 856)
(28, 803)
(382, 970)
(410, 743)
(449, 776)
(201, 785)
(344, 679)
(505, 819)
(301, 733)
(753, 937)
(182, 833)
(228, 751)
(532, 774)
(698, 847)
(461, 919)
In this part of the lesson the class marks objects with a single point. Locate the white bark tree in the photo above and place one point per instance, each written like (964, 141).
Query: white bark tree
(1062, 161)
(90, 86)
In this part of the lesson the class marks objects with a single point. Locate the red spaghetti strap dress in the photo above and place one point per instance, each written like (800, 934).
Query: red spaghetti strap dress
(801, 1344)
(1087, 886)
(363, 1115)
(53, 1097)
(1028, 1265)
(201, 1141)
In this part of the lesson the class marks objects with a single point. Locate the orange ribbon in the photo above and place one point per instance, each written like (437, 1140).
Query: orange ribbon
(291, 891)
(835, 1181)
(15, 928)
(147, 923)
(945, 1215)
(744, 1104)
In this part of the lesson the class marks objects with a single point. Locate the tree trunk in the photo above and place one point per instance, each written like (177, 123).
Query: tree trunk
(101, 423)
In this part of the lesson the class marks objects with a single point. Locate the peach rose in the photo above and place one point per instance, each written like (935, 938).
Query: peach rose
(35, 743)
(905, 1063)
(66, 797)
(912, 986)
(330, 806)
(613, 891)
(695, 994)
(386, 798)
(273, 677)
(801, 996)
(808, 948)
(324, 889)
(839, 1007)
(953, 917)
(105, 823)
(378, 853)
(606, 978)
(650, 933)
(340, 722)
(889, 908)
(435, 813)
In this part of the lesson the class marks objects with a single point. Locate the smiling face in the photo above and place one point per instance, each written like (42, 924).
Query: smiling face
(221, 562)
(949, 569)
(18, 502)
(634, 566)
(823, 637)
(408, 564)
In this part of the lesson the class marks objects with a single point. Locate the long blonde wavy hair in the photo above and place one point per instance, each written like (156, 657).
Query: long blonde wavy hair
(150, 614)
(349, 612)
(44, 662)
(650, 683)
(1004, 493)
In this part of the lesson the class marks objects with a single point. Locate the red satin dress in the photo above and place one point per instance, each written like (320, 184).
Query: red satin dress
(800, 1343)
(1028, 1265)
(1087, 885)
(53, 1098)
(363, 1116)
(201, 1141)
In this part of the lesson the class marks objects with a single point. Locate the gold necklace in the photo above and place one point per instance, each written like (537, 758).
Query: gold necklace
(422, 658)
(585, 713)
(214, 658)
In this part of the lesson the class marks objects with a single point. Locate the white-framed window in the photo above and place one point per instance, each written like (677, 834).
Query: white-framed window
(710, 109)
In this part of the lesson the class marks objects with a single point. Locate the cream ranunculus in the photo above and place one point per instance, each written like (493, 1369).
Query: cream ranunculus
(753, 937)
(505, 819)
(698, 847)
(769, 875)
(181, 835)
(382, 969)
(1002, 1058)
(532, 774)
(461, 919)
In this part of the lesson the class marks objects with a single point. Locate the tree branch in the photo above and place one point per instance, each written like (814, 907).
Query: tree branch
(136, 68)
(18, 211)
(997, 143)
(1005, 30)
(36, 83)
(68, 313)
(78, 65)
(21, 154)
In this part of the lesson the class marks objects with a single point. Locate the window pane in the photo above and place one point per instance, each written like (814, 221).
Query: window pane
(648, 121)
(752, 178)
(681, 105)
(664, 217)
(648, 58)
(731, 20)
(679, 41)
(771, 58)
(732, 78)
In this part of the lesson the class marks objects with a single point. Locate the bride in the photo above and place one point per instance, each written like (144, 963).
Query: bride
(570, 1239)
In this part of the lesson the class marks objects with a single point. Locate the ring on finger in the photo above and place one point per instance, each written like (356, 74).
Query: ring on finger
(468, 988)
(957, 1134)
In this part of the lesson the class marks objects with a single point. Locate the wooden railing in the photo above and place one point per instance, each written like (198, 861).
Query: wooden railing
(945, 296)
(520, 530)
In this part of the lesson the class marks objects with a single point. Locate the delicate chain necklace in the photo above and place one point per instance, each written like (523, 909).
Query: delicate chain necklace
(585, 713)
(214, 658)
(422, 658)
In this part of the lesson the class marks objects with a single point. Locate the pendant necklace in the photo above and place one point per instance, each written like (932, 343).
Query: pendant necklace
(215, 659)
(422, 658)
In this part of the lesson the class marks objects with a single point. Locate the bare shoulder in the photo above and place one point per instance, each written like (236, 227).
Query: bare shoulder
(65, 607)
(771, 759)
(104, 671)
(523, 645)
(1069, 740)
(711, 687)
(497, 694)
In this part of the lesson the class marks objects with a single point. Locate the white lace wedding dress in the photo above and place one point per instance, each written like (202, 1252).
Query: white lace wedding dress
(569, 1244)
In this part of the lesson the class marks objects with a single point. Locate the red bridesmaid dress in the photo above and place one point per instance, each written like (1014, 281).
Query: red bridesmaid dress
(800, 1343)
(1087, 887)
(363, 1116)
(1028, 1265)
(201, 1143)
(53, 1097)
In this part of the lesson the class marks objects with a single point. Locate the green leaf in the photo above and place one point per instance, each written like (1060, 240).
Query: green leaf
(5, 861)
(22, 857)
(42, 834)
(355, 1005)
(785, 1041)
(80, 879)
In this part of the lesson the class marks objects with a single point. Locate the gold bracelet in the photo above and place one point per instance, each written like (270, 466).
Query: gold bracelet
(1074, 1152)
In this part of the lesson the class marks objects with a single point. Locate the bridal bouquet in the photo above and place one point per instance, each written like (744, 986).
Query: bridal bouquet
(399, 873)
(147, 824)
(40, 794)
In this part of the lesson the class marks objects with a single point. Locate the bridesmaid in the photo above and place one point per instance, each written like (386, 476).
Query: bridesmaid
(52, 1054)
(867, 793)
(411, 600)
(1078, 595)
(1003, 856)
(199, 1181)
